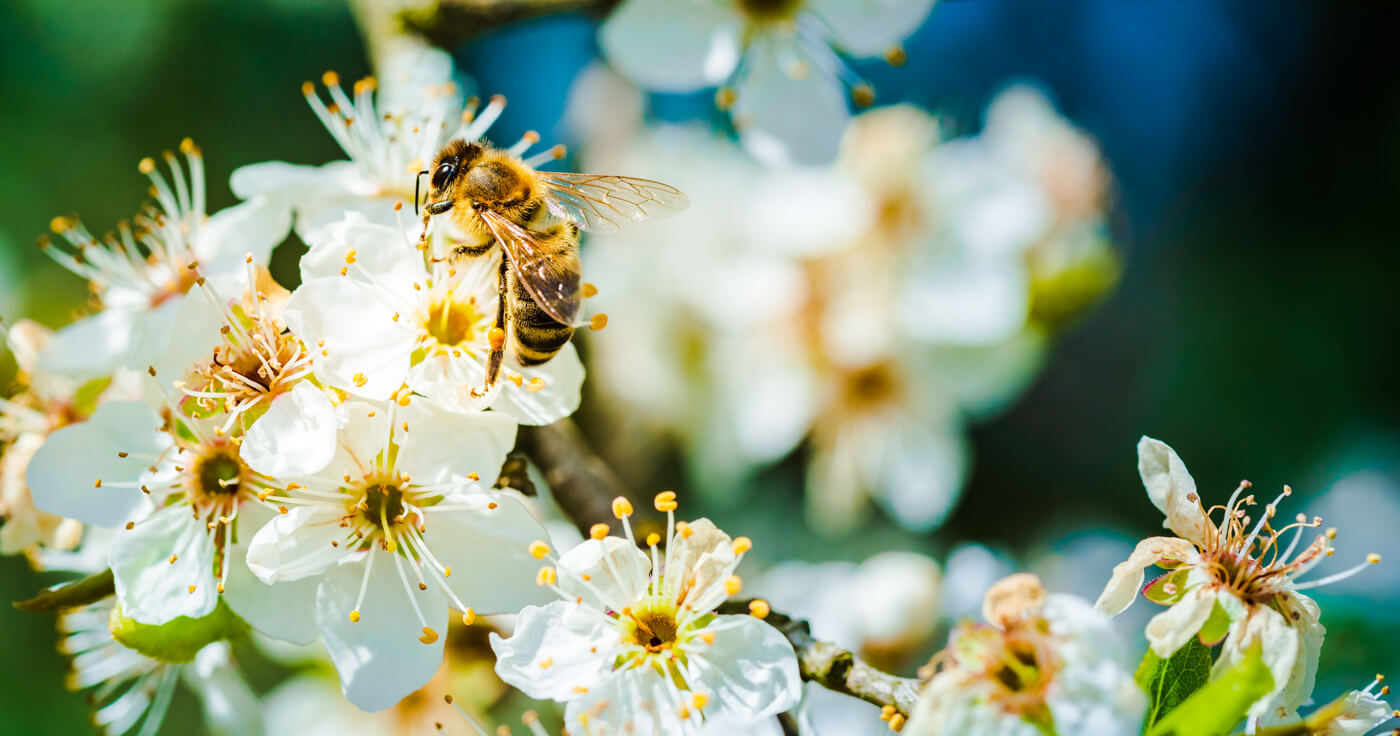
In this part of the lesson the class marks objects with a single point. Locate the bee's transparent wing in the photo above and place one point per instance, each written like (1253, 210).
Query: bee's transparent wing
(551, 280)
(602, 202)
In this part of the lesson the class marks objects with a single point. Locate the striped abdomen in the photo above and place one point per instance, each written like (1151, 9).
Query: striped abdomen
(537, 337)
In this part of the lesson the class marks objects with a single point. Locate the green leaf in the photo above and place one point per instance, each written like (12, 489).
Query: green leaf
(1215, 710)
(80, 593)
(1214, 630)
(1170, 681)
(180, 639)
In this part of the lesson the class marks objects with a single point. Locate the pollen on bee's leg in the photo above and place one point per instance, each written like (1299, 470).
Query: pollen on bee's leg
(496, 338)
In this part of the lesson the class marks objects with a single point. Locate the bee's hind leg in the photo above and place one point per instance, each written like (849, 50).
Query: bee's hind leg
(497, 335)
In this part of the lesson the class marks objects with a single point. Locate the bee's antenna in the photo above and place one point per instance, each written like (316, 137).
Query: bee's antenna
(416, 182)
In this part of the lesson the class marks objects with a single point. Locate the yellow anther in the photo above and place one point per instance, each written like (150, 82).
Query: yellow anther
(429, 636)
(895, 56)
(559, 152)
(725, 97)
(897, 722)
(146, 165)
(187, 146)
(758, 608)
(173, 558)
(538, 550)
(62, 224)
(665, 501)
(589, 290)
(733, 584)
(97, 483)
(708, 637)
(653, 539)
(447, 572)
(330, 79)
(598, 322)
(887, 712)
(598, 531)
(468, 617)
(359, 379)
(530, 717)
(350, 256)
(742, 545)
(546, 663)
(192, 588)
(683, 712)
(547, 576)
(308, 89)
(578, 690)
(1373, 558)
(355, 616)
(700, 700)
(684, 530)
(473, 476)
(621, 507)
(531, 136)
(496, 337)
(863, 95)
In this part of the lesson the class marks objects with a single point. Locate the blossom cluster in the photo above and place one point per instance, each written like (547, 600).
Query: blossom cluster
(210, 453)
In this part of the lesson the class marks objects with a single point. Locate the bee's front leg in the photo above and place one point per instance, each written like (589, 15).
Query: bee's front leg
(497, 336)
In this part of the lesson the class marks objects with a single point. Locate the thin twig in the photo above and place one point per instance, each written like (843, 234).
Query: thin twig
(447, 23)
(584, 486)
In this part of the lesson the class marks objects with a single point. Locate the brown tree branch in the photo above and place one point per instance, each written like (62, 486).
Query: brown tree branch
(447, 23)
(584, 486)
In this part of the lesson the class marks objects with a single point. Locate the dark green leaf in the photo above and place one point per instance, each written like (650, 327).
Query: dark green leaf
(1220, 706)
(1168, 682)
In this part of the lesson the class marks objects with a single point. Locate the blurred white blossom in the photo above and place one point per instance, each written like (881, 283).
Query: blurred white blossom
(782, 61)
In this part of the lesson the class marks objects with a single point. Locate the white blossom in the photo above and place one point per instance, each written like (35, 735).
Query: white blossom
(384, 318)
(397, 528)
(141, 274)
(781, 59)
(1234, 581)
(635, 645)
(1041, 664)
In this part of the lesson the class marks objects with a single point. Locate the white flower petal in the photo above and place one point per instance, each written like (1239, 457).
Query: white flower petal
(1280, 648)
(563, 384)
(707, 553)
(367, 351)
(284, 610)
(296, 437)
(93, 346)
(230, 707)
(63, 474)
(784, 119)
(380, 658)
(1172, 490)
(1127, 577)
(751, 669)
(384, 258)
(871, 27)
(197, 322)
(488, 551)
(597, 559)
(1170, 629)
(671, 47)
(251, 228)
(152, 588)
(636, 702)
(925, 473)
(575, 638)
(297, 544)
(966, 299)
(479, 444)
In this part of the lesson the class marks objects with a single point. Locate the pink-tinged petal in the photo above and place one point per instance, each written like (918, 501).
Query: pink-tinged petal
(613, 567)
(1172, 490)
(64, 474)
(672, 47)
(366, 351)
(871, 27)
(301, 543)
(488, 551)
(1128, 575)
(164, 567)
(381, 657)
(574, 639)
(1170, 629)
(296, 437)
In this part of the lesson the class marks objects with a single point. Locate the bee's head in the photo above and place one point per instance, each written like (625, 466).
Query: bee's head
(454, 158)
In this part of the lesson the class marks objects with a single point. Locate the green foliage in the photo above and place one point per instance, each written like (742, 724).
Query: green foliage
(1170, 681)
(178, 640)
(1221, 704)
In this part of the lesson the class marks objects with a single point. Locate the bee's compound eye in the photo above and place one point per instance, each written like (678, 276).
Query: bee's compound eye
(444, 172)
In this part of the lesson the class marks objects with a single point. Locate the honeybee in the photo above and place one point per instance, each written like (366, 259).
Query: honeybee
(492, 197)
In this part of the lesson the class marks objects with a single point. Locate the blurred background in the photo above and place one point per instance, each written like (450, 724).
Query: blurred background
(1255, 150)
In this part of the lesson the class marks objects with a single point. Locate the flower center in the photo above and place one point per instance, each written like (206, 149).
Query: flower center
(870, 386)
(770, 10)
(178, 285)
(451, 323)
(655, 630)
(218, 476)
(383, 504)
